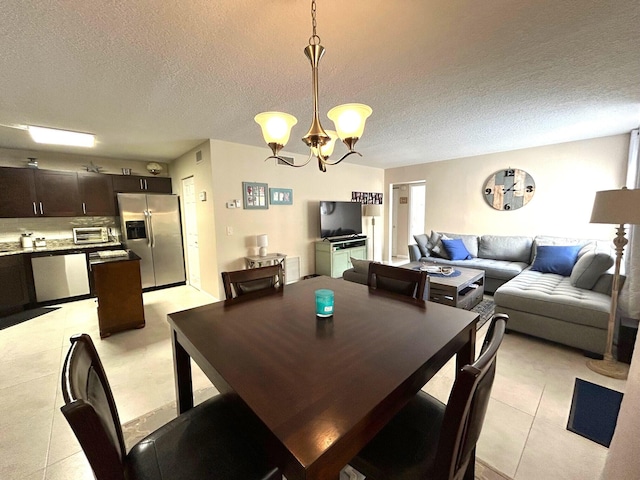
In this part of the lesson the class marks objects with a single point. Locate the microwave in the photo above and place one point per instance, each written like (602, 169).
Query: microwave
(90, 235)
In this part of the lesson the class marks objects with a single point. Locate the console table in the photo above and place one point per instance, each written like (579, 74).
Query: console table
(333, 257)
(256, 261)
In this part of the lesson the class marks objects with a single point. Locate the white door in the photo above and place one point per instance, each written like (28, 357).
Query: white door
(191, 231)
(416, 209)
(394, 221)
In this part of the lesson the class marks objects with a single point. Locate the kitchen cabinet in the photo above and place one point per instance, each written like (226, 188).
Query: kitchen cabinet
(96, 194)
(15, 286)
(135, 184)
(17, 193)
(57, 193)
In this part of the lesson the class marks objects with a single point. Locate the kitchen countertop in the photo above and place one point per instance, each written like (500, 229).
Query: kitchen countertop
(14, 248)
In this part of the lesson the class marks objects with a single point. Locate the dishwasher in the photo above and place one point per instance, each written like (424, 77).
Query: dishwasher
(60, 276)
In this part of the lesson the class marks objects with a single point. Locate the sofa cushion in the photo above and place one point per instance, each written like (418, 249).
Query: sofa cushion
(498, 269)
(588, 245)
(422, 241)
(501, 247)
(558, 259)
(360, 266)
(470, 242)
(553, 296)
(589, 268)
(456, 249)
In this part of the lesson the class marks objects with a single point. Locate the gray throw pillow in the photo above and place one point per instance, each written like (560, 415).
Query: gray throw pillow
(589, 268)
(360, 266)
(423, 244)
(438, 248)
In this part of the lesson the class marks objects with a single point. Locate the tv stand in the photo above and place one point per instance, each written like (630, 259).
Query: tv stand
(334, 257)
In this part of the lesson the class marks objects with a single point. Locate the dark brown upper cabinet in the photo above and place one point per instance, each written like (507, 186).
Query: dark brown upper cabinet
(135, 184)
(96, 194)
(57, 193)
(18, 193)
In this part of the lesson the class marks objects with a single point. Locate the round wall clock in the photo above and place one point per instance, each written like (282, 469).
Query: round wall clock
(509, 189)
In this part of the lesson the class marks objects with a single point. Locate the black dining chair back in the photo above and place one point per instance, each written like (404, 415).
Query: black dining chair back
(208, 441)
(428, 439)
(412, 283)
(241, 282)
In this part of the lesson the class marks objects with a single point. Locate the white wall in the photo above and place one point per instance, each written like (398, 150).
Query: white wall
(291, 229)
(567, 176)
(75, 162)
(185, 167)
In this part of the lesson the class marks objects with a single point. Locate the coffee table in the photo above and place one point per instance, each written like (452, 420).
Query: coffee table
(460, 291)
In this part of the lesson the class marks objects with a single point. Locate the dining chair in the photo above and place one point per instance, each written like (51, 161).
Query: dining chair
(412, 283)
(428, 439)
(211, 440)
(241, 282)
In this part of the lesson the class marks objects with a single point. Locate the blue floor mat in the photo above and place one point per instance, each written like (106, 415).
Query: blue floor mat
(594, 411)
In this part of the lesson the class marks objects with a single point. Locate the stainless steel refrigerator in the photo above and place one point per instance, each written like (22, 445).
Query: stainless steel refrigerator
(150, 227)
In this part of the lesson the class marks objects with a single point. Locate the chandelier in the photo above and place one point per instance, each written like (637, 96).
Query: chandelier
(349, 119)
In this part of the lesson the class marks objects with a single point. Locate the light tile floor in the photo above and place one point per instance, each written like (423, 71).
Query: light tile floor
(524, 435)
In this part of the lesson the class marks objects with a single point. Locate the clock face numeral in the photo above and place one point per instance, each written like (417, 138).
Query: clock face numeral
(509, 189)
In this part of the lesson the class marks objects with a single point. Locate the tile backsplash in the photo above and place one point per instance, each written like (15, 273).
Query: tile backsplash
(52, 228)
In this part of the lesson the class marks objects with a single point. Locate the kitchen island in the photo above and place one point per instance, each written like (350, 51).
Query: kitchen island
(116, 281)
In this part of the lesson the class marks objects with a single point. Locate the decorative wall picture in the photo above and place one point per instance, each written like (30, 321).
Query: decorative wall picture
(281, 196)
(367, 198)
(404, 199)
(255, 195)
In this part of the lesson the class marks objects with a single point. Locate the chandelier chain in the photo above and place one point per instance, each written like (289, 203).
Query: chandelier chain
(314, 39)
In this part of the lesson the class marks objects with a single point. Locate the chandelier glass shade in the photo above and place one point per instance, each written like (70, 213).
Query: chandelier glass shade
(349, 119)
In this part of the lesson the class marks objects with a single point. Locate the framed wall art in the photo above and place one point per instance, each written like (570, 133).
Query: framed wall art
(367, 198)
(255, 195)
(281, 196)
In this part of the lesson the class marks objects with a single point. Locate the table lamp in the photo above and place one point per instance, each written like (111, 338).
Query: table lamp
(373, 211)
(618, 207)
(263, 242)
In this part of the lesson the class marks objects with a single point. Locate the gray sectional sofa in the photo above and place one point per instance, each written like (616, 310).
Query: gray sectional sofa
(571, 308)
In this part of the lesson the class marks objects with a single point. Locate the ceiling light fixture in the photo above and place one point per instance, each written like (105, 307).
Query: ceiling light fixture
(61, 137)
(349, 119)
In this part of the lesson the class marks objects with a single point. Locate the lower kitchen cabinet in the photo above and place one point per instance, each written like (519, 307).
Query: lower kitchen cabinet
(14, 293)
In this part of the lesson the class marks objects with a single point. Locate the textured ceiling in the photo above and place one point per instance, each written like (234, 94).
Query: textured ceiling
(445, 79)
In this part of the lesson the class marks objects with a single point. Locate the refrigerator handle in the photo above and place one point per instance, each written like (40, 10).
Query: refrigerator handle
(147, 224)
(152, 239)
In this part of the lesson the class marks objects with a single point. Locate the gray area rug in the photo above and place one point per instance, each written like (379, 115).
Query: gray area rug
(137, 429)
(20, 317)
(485, 308)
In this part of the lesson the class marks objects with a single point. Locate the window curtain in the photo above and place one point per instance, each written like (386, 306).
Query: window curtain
(629, 302)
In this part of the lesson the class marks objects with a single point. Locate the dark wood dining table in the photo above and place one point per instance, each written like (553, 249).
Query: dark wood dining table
(322, 387)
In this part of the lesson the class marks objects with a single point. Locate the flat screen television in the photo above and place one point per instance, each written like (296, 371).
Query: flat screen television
(340, 219)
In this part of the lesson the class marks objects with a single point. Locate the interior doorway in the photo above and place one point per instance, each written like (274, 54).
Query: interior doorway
(191, 232)
(408, 202)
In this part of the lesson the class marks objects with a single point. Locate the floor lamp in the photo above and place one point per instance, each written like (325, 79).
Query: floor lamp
(617, 207)
(373, 211)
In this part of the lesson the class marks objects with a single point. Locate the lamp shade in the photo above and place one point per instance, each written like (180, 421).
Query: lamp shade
(263, 240)
(276, 126)
(372, 210)
(349, 119)
(327, 149)
(617, 207)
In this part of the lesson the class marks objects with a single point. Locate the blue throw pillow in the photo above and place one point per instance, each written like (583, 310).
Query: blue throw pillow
(456, 249)
(558, 259)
